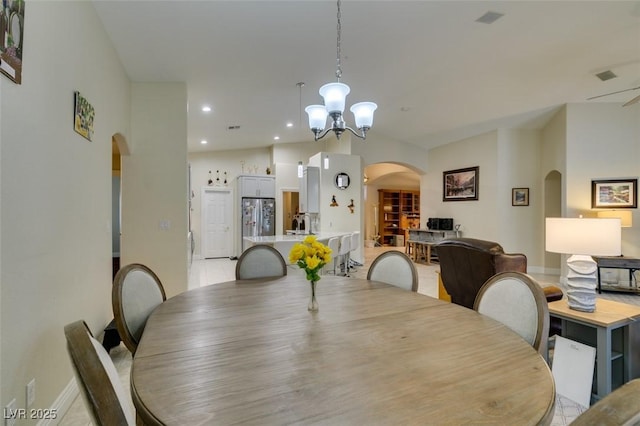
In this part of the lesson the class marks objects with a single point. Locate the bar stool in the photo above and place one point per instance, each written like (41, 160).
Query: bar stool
(334, 245)
(345, 248)
(354, 245)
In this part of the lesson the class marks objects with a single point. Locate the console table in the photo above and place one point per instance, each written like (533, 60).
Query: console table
(618, 262)
(606, 329)
(420, 241)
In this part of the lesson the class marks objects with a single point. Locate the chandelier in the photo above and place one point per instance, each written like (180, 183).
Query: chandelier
(334, 95)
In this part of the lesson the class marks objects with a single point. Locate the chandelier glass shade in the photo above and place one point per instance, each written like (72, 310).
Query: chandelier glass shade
(334, 96)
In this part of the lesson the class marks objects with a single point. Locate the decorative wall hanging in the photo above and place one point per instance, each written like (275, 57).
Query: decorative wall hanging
(342, 180)
(352, 206)
(614, 194)
(460, 184)
(83, 117)
(334, 203)
(11, 32)
(520, 196)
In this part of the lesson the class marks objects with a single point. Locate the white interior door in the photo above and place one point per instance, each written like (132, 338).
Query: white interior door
(217, 219)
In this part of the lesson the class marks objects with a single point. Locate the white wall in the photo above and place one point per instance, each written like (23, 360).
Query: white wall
(603, 142)
(340, 218)
(478, 218)
(154, 184)
(56, 195)
(520, 227)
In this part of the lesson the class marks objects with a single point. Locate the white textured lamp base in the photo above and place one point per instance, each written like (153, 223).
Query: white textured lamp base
(581, 283)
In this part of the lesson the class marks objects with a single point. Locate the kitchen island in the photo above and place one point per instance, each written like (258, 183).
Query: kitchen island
(283, 243)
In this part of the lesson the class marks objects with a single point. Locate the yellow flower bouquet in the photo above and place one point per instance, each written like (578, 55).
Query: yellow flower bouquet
(311, 256)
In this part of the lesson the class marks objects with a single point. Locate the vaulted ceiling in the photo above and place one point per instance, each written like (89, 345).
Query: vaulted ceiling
(435, 72)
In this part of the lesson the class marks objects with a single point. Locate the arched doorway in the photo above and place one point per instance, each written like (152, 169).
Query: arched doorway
(384, 176)
(119, 148)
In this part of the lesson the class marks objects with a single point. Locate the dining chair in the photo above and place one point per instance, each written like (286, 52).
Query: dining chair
(97, 378)
(517, 300)
(260, 261)
(395, 268)
(620, 408)
(137, 291)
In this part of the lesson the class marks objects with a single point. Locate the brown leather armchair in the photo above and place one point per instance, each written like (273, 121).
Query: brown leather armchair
(467, 263)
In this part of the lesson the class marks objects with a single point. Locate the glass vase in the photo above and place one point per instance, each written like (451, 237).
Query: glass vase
(313, 303)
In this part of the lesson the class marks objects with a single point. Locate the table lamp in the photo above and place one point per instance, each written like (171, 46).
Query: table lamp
(625, 216)
(583, 238)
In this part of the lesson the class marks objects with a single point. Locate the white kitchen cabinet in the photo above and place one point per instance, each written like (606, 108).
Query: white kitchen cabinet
(257, 186)
(309, 198)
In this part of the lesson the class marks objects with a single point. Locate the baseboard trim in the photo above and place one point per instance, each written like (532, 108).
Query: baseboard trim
(62, 403)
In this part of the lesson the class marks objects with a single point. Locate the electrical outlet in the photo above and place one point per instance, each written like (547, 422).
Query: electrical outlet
(31, 392)
(11, 414)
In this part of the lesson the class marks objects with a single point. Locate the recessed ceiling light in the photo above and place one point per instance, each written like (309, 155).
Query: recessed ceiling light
(206, 108)
(203, 142)
(276, 138)
(606, 75)
(490, 17)
(289, 124)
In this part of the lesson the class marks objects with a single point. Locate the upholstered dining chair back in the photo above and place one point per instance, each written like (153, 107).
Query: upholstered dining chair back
(467, 263)
(395, 268)
(260, 261)
(619, 408)
(137, 291)
(103, 393)
(517, 300)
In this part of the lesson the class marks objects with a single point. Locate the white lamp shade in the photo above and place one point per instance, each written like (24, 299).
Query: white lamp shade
(334, 95)
(317, 116)
(363, 114)
(586, 236)
(624, 215)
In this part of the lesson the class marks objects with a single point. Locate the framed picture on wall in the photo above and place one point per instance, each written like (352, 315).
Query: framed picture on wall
(520, 196)
(11, 33)
(460, 184)
(614, 194)
(83, 116)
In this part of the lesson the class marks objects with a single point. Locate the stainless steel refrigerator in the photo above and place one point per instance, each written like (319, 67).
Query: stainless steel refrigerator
(258, 218)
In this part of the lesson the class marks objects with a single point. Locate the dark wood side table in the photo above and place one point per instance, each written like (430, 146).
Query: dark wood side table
(618, 262)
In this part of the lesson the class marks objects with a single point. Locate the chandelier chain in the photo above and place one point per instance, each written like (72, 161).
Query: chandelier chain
(338, 47)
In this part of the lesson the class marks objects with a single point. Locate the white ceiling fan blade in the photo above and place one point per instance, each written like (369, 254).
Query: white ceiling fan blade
(632, 101)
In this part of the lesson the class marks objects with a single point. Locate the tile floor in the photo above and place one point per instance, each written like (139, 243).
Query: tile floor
(212, 271)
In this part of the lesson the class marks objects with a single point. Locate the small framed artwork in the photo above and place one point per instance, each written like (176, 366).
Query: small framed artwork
(460, 184)
(83, 117)
(520, 196)
(614, 194)
(11, 34)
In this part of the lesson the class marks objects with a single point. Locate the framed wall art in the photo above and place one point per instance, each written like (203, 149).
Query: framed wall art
(83, 117)
(11, 34)
(614, 194)
(520, 196)
(460, 184)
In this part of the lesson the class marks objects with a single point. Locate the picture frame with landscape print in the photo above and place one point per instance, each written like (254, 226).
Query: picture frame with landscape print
(11, 34)
(614, 194)
(520, 196)
(460, 184)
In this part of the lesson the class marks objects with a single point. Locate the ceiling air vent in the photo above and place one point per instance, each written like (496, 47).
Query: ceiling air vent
(236, 127)
(606, 75)
(490, 17)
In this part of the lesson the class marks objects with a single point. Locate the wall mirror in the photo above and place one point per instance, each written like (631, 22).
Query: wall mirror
(342, 180)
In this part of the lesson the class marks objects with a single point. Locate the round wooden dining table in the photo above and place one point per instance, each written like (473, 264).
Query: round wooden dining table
(249, 352)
